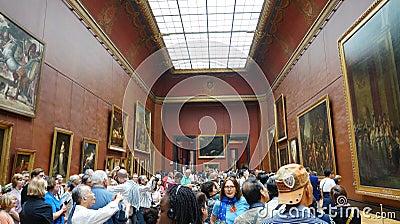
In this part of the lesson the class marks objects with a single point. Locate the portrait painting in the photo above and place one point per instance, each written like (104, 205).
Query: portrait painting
(118, 127)
(89, 154)
(315, 137)
(211, 146)
(211, 166)
(142, 129)
(272, 153)
(109, 163)
(294, 152)
(61, 152)
(21, 62)
(23, 160)
(283, 154)
(280, 118)
(370, 58)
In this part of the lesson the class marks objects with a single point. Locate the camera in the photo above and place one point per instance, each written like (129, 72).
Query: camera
(156, 179)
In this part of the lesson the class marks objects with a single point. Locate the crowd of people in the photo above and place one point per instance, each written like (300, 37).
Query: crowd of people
(291, 195)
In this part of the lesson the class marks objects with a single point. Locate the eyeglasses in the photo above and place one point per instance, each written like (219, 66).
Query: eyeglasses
(229, 187)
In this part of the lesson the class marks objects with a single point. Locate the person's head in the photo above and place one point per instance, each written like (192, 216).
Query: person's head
(171, 174)
(254, 191)
(188, 172)
(338, 192)
(83, 195)
(338, 178)
(263, 177)
(179, 205)
(150, 216)
(37, 172)
(26, 176)
(17, 181)
(178, 177)
(209, 188)
(8, 201)
(143, 179)
(87, 180)
(308, 169)
(329, 173)
(271, 187)
(37, 187)
(89, 172)
(52, 186)
(135, 178)
(99, 177)
(75, 179)
(294, 185)
(59, 178)
(230, 188)
(202, 202)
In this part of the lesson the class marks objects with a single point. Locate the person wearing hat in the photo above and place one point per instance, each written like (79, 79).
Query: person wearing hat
(296, 193)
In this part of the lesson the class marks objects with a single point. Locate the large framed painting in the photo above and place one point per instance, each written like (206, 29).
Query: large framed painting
(142, 129)
(90, 153)
(272, 153)
(23, 161)
(280, 118)
(118, 127)
(370, 58)
(283, 155)
(22, 61)
(61, 152)
(211, 166)
(293, 151)
(315, 137)
(211, 146)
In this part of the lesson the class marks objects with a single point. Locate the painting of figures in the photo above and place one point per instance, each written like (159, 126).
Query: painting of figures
(21, 60)
(315, 137)
(370, 59)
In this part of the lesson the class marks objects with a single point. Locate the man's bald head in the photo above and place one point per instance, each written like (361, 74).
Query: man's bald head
(122, 173)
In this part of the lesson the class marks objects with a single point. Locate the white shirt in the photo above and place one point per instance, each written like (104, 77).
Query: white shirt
(129, 190)
(145, 195)
(326, 184)
(83, 215)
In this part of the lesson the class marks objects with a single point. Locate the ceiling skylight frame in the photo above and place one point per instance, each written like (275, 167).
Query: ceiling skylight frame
(179, 23)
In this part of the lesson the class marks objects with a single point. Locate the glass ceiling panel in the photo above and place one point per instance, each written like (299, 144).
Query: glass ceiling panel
(207, 34)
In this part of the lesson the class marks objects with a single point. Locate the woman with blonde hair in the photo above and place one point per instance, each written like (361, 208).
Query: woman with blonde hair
(17, 182)
(7, 203)
(35, 210)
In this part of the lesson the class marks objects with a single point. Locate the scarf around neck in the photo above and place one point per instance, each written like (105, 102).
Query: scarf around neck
(222, 210)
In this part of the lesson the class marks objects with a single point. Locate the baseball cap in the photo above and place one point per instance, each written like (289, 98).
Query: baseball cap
(291, 180)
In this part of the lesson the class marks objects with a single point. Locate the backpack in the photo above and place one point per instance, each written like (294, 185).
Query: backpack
(120, 216)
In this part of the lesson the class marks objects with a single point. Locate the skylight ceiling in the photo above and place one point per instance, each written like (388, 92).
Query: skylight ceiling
(207, 34)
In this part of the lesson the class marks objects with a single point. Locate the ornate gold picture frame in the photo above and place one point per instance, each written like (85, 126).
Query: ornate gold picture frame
(280, 118)
(118, 127)
(5, 141)
(142, 129)
(90, 154)
(369, 53)
(315, 137)
(24, 160)
(61, 152)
